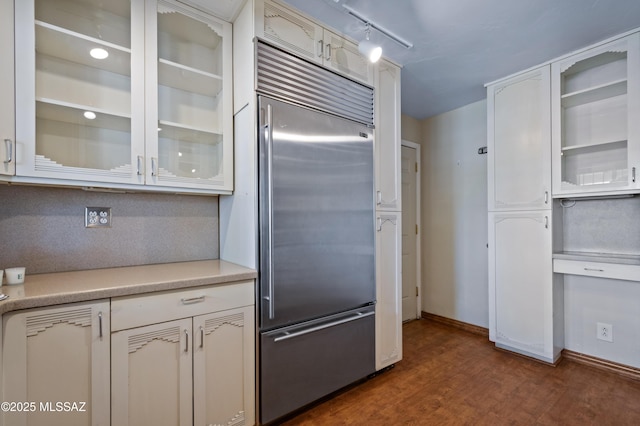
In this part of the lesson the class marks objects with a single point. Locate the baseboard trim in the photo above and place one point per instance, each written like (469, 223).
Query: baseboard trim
(591, 361)
(475, 329)
(602, 364)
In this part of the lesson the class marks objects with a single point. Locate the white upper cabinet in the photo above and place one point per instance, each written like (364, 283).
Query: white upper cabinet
(311, 41)
(150, 111)
(595, 107)
(519, 142)
(343, 56)
(387, 137)
(76, 114)
(189, 121)
(293, 32)
(7, 110)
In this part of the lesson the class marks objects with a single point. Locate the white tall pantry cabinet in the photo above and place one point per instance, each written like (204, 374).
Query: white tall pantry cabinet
(388, 215)
(525, 302)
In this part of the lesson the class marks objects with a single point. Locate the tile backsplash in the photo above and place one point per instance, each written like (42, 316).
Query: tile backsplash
(603, 226)
(44, 229)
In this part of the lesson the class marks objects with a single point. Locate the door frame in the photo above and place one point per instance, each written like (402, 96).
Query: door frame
(416, 146)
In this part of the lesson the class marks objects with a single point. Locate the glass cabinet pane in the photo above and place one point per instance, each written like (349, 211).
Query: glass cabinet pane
(190, 55)
(83, 84)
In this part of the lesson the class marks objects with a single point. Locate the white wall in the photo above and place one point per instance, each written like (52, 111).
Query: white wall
(454, 215)
(605, 226)
(454, 253)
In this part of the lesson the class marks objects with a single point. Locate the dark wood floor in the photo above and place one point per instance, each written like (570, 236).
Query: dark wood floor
(452, 377)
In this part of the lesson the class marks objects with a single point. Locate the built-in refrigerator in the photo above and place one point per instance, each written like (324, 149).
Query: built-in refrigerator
(317, 248)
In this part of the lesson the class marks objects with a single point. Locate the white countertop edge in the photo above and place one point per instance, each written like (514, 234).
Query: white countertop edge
(622, 259)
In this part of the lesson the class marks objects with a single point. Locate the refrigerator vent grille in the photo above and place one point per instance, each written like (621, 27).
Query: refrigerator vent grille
(290, 78)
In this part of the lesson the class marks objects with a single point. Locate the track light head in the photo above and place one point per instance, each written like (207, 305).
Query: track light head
(371, 51)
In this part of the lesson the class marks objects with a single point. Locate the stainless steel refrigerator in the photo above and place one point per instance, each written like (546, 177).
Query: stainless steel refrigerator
(317, 248)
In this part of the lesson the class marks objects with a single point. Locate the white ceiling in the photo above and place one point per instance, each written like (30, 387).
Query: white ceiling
(459, 45)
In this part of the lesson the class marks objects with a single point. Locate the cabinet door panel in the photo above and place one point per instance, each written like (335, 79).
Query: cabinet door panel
(78, 121)
(343, 56)
(388, 289)
(387, 137)
(223, 365)
(293, 32)
(189, 105)
(519, 142)
(151, 375)
(58, 355)
(521, 290)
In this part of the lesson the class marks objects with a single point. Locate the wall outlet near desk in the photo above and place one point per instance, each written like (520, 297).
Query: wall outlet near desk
(604, 332)
(97, 217)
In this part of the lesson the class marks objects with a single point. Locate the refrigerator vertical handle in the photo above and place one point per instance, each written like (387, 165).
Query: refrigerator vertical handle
(269, 182)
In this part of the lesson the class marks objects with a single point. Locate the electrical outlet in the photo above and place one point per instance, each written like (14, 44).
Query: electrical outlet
(604, 332)
(97, 217)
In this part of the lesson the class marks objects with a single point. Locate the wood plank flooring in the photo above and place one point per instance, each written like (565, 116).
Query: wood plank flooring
(452, 377)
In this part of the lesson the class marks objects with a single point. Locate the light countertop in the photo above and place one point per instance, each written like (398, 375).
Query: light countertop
(623, 259)
(77, 286)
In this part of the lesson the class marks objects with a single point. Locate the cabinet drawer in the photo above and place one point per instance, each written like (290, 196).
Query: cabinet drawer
(152, 308)
(597, 269)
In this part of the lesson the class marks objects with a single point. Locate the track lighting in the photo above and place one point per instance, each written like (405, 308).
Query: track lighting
(369, 49)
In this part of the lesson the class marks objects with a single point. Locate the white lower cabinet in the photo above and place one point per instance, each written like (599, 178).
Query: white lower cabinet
(151, 375)
(195, 368)
(388, 289)
(56, 359)
(525, 298)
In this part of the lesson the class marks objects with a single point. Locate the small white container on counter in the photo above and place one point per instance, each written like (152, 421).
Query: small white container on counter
(15, 275)
(1, 275)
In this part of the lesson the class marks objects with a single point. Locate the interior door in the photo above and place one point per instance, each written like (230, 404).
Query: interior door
(410, 283)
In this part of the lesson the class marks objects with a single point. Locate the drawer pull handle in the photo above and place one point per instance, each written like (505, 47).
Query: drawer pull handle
(192, 300)
(594, 269)
(100, 324)
(9, 146)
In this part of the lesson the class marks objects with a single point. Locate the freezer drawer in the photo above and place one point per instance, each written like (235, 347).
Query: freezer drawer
(304, 363)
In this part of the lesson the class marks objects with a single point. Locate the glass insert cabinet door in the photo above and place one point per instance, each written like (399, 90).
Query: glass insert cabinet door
(595, 109)
(188, 133)
(123, 92)
(77, 92)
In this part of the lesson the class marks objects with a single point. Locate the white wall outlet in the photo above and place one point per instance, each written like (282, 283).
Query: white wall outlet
(97, 217)
(604, 332)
